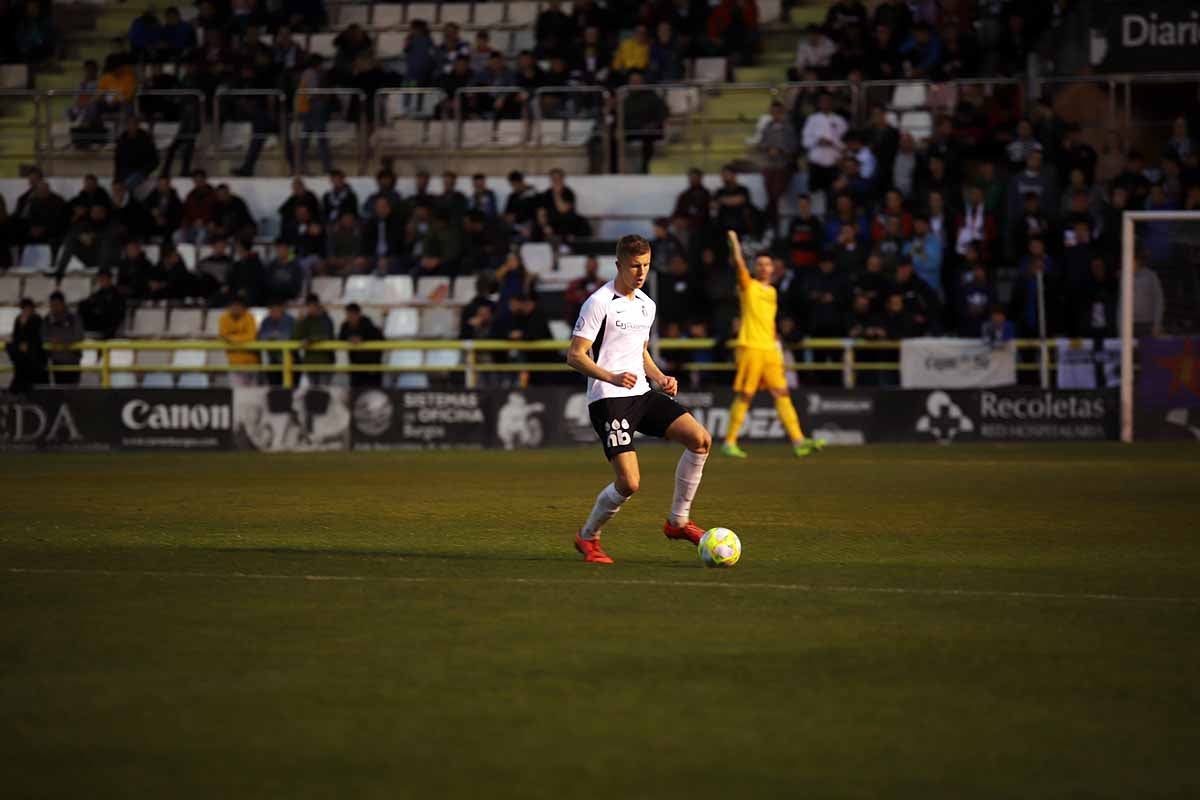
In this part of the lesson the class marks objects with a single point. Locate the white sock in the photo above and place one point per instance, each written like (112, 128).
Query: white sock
(687, 481)
(608, 503)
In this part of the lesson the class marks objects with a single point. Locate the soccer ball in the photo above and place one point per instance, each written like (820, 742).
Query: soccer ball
(719, 547)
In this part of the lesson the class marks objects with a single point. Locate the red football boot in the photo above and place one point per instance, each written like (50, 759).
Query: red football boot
(590, 548)
(689, 530)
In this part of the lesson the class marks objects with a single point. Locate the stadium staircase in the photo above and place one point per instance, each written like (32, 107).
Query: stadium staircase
(87, 31)
(716, 135)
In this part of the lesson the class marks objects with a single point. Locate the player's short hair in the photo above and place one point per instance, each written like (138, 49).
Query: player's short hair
(631, 245)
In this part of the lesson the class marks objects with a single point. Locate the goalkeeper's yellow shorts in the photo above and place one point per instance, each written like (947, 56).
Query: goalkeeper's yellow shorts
(759, 369)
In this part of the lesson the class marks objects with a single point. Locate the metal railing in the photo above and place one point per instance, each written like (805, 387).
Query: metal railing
(495, 104)
(17, 139)
(359, 122)
(290, 363)
(573, 116)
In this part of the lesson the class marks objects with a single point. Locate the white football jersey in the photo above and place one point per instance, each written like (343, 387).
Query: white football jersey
(618, 328)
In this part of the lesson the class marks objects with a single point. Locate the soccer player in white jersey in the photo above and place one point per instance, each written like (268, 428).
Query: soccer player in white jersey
(627, 392)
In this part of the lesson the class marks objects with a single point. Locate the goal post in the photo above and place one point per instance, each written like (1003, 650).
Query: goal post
(1168, 243)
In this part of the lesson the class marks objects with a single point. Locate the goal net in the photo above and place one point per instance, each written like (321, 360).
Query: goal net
(1160, 325)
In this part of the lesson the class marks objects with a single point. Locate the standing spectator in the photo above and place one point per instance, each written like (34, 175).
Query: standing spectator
(452, 48)
(237, 326)
(735, 211)
(1094, 308)
(924, 250)
(1032, 180)
(664, 246)
(1148, 302)
(25, 350)
(1180, 145)
(34, 37)
(522, 202)
(666, 56)
(998, 329)
(420, 54)
(733, 27)
(277, 326)
(316, 326)
(340, 199)
(822, 138)
(553, 31)
(165, 208)
(176, 38)
(184, 142)
(778, 146)
(827, 291)
(198, 208)
(103, 311)
(145, 32)
(482, 198)
(694, 202)
(806, 235)
(681, 299)
(314, 111)
(976, 227)
(593, 60)
(976, 300)
(62, 327)
(356, 329)
(644, 115)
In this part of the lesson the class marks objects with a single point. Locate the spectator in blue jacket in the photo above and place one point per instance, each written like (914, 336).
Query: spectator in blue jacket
(925, 252)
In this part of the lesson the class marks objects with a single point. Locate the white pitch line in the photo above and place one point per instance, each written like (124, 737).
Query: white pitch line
(600, 581)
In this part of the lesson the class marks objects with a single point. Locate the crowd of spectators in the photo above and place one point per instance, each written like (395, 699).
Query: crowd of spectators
(27, 32)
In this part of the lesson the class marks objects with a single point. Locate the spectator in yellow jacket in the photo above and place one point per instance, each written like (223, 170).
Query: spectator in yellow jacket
(633, 53)
(237, 326)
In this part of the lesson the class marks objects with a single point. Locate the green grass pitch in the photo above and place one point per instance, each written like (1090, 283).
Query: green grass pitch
(982, 622)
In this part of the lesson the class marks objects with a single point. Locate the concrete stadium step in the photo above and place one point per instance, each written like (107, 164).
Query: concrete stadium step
(765, 73)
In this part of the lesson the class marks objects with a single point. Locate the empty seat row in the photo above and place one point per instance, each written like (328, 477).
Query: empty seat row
(407, 132)
(392, 290)
(522, 12)
(556, 270)
(37, 288)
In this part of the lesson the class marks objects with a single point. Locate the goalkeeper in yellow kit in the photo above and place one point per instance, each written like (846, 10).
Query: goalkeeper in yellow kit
(759, 355)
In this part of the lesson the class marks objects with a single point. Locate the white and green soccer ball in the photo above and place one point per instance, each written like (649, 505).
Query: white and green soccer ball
(719, 547)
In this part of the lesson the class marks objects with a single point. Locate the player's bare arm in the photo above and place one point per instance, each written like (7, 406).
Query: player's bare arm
(735, 252)
(657, 377)
(579, 358)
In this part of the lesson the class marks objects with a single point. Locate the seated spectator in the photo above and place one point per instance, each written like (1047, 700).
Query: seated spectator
(849, 254)
(526, 322)
(356, 329)
(664, 246)
(898, 321)
(130, 216)
(815, 52)
(382, 247)
(103, 311)
(165, 209)
(827, 291)
(482, 198)
(212, 271)
(26, 351)
(451, 200)
(523, 200)
(735, 211)
(822, 139)
(666, 56)
(284, 277)
(529, 77)
(441, 248)
(62, 328)
(632, 54)
(133, 272)
(174, 280)
(145, 33)
(475, 321)
(420, 54)
(277, 326)
(237, 326)
(864, 321)
(481, 52)
(176, 38)
(246, 276)
(339, 200)
(342, 249)
(997, 330)
(805, 236)
(80, 111)
(230, 216)
(91, 194)
(306, 236)
(681, 298)
(976, 226)
(920, 300)
(580, 289)
(872, 283)
(1032, 180)
(385, 187)
(593, 60)
(92, 240)
(485, 243)
(316, 326)
(1093, 309)
(198, 209)
(300, 195)
(921, 53)
(645, 115)
(500, 105)
(976, 302)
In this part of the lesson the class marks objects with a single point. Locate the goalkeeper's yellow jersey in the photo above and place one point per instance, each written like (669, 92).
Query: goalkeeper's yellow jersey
(759, 302)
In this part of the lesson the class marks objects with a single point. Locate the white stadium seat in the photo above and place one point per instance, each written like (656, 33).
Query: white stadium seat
(10, 293)
(425, 11)
(36, 256)
(430, 287)
(464, 290)
(75, 287)
(909, 95)
(329, 289)
(38, 288)
(117, 359)
(538, 257)
(443, 357)
(457, 12)
(155, 358)
(571, 267)
(8, 318)
(191, 358)
(322, 44)
(439, 323)
(402, 323)
(363, 289)
(709, 70)
(488, 14)
(397, 290)
(186, 323)
(390, 44)
(559, 330)
(148, 322)
(187, 252)
(212, 323)
(522, 13)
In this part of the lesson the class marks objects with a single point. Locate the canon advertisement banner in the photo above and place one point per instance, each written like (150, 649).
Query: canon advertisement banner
(997, 415)
(1141, 35)
(56, 419)
(177, 419)
(417, 420)
(929, 363)
(291, 420)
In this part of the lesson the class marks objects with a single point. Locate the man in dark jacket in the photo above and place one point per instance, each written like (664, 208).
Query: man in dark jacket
(25, 350)
(165, 209)
(62, 327)
(284, 276)
(920, 300)
(131, 218)
(382, 247)
(356, 329)
(340, 199)
(92, 240)
(44, 218)
(316, 326)
(136, 157)
(103, 311)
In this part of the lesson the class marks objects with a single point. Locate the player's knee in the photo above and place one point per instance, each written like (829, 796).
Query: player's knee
(628, 486)
(702, 443)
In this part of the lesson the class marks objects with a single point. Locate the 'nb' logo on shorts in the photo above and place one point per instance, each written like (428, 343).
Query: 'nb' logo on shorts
(618, 432)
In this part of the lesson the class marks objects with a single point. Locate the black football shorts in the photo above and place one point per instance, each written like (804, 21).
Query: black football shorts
(615, 419)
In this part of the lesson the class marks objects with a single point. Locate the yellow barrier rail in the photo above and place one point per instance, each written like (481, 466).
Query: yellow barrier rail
(289, 365)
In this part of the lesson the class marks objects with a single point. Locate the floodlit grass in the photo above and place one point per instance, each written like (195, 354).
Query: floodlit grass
(1002, 621)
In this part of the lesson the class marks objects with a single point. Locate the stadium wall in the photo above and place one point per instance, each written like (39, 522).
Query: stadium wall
(333, 418)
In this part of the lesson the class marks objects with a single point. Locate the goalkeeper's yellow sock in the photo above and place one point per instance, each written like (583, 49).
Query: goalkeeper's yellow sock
(737, 415)
(789, 418)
